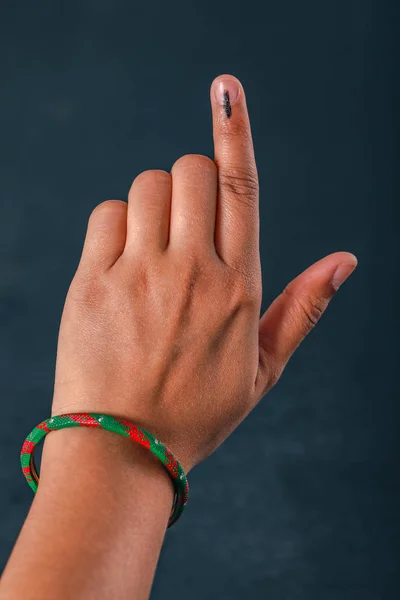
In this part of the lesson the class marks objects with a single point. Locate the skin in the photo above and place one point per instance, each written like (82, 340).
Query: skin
(161, 326)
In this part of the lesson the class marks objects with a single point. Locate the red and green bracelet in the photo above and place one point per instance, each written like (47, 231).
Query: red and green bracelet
(120, 426)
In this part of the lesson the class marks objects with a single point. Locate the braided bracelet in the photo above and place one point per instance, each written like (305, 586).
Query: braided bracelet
(120, 426)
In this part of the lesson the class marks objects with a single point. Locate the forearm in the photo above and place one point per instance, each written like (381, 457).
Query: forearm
(97, 522)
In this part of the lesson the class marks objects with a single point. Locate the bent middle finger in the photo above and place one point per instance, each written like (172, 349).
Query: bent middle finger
(193, 204)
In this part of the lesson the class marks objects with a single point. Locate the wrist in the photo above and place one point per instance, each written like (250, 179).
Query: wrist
(104, 462)
(99, 516)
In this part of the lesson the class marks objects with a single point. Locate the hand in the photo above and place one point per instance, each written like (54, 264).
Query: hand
(161, 322)
(160, 326)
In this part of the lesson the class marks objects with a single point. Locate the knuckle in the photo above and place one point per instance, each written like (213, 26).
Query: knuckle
(241, 182)
(108, 207)
(88, 291)
(309, 307)
(194, 161)
(151, 176)
(245, 290)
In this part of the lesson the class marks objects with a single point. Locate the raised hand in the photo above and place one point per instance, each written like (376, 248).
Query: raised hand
(161, 326)
(161, 323)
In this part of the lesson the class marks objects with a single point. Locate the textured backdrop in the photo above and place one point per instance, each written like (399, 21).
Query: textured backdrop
(302, 501)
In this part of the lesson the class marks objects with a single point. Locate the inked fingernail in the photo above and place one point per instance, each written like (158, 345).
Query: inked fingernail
(226, 92)
(342, 273)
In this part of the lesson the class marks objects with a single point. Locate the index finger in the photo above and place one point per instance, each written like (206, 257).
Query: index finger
(237, 219)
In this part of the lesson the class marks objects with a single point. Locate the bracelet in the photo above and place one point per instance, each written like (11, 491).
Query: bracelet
(120, 426)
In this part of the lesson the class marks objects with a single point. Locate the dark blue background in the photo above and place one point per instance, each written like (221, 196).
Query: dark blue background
(301, 502)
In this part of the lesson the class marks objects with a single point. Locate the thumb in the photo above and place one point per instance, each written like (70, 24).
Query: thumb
(296, 311)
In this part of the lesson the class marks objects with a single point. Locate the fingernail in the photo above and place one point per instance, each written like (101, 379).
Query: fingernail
(226, 93)
(342, 273)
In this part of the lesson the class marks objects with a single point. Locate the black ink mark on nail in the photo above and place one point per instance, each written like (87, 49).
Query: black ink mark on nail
(227, 105)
